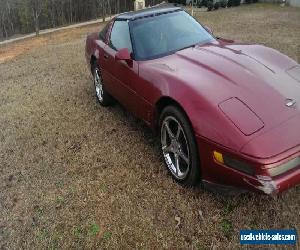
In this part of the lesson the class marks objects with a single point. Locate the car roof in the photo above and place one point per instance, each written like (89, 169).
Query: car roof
(154, 11)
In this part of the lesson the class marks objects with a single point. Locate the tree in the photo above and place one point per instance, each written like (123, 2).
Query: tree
(102, 2)
(25, 16)
(36, 7)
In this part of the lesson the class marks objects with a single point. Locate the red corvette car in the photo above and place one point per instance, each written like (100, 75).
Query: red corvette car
(227, 113)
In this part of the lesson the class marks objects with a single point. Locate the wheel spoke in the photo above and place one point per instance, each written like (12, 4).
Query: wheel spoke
(177, 164)
(170, 133)
(97, 77)
(178, 132)
(184, 157)
(167, 149)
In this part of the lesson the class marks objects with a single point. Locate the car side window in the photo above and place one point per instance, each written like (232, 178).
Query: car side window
(120, 36)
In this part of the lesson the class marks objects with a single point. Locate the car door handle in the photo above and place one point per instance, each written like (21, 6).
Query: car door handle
(105, 56)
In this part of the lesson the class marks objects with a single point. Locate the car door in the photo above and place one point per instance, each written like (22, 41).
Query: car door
(121, 76)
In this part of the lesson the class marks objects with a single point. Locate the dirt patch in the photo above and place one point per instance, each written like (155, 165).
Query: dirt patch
(10, 51)
(76, 175)
(18, 48)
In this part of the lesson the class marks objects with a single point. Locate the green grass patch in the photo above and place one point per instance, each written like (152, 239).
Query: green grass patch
(94, 229)
(78, 232)
(226, 227)
(107, 235)
(43, 235)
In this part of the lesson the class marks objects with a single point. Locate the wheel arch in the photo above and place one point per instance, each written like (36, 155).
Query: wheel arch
(163, 102)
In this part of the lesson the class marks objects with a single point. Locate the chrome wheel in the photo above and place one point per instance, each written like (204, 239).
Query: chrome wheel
(175, 147)
(98, 84)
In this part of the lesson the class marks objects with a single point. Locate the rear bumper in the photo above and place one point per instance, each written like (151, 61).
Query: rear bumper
(216, 173)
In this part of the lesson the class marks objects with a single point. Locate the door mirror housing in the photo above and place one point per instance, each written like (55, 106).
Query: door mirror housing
(209, 30)
(123, 55)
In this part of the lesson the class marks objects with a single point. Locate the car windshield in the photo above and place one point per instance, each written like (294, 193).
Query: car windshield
(165, 34)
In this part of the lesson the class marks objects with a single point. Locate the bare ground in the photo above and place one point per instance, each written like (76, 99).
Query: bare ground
(75, 175)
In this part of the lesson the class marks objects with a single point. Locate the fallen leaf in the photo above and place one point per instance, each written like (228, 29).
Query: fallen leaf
(201, 215)
(178, 219)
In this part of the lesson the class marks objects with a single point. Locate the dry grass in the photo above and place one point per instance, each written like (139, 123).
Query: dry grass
(20, 48)
(75, 175)
(272, 25)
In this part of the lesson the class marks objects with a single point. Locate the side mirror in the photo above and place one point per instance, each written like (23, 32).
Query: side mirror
(123, 55)
(209, 30)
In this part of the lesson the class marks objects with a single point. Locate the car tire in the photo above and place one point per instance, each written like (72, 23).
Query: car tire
(103, 97)
(179, 147)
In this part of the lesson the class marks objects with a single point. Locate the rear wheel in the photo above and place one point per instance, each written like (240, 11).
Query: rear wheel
(102, 95)
(178, 145)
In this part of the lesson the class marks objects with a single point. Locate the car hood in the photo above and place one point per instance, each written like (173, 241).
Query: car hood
(262, 78)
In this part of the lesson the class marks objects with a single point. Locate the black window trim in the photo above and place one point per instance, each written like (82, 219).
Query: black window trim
(107, 27)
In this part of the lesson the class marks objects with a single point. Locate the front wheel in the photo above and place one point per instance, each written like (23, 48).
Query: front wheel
(179, 147)
(102, 95)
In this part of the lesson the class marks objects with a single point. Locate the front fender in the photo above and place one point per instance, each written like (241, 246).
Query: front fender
(206, 118)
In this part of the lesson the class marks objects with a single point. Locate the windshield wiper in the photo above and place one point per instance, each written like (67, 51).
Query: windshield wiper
(190, 46)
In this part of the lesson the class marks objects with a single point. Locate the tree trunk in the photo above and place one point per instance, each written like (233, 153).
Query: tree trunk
(37, 26)
(12, 29)
(71, 12)
(109, 7)
(103, 11)
(3, 25)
